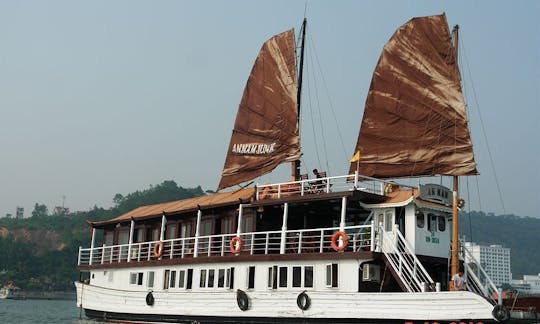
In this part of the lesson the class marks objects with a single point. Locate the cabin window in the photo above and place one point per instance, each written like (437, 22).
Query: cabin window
(133, 278)
(221, 278)
(272, 277)
(297, 277)
(388, 221)
(283, 277)
(251, 277)
(380, 219)
(173, 279)
(211, 278)
(108, 238)
(420, 219)
(206, 227)
(230, 275)
(432, 222)
(123, 237)
(226, 225)
(139, 235)
(150, 279)
(136, 278)
(189, 279)
(247, 225)
(185, 230)
(202, 281)
(441, 223)
(181, 278)
(170, 232)
(332, 275)
(308, 277)
(166, 278)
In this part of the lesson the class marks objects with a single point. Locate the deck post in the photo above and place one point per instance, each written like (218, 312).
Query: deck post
(79, 258)
(131, 230)
(343, 213)
(163, 224)
(197, 227)
(372, 235)
(356, 179)
(284, 228)
(239, 225)
(92, 243)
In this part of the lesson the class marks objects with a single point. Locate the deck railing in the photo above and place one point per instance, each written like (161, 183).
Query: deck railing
(401, 257)
(322, 185)
(477, 278)
(270, 242)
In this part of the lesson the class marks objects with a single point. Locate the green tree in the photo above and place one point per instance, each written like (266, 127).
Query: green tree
(40, 210)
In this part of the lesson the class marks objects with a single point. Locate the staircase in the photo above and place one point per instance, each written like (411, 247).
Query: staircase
(477, 279)
(411, 275)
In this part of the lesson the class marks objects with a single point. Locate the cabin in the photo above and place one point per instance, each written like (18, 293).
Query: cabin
(281, 222)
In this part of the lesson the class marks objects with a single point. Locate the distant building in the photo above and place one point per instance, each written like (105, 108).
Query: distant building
(495, 259)
(530, 284)
(19, 214)
(8, 215)
(60, 210)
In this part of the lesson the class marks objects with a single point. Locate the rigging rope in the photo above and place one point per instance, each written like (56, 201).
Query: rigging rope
(469, 211)
(329, 99)
(483, 128)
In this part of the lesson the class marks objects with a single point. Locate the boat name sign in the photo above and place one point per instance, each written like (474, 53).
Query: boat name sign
(254, 148)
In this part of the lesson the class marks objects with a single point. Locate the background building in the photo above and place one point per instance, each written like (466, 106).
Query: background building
(530, 284)
(19, 214)
(495, 259)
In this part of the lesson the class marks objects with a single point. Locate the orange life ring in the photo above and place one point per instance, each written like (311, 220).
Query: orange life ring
(334, 242)
(158, 249)
(236, 245)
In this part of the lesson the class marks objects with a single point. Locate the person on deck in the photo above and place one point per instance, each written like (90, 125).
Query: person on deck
(460, 282)
(319, 184)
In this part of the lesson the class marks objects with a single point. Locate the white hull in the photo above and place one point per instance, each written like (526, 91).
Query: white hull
(399, 306)
(109, 292)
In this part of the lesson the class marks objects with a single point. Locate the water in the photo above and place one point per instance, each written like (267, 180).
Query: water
(40, 311)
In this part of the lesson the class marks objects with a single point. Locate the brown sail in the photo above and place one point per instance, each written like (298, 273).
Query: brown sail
(414, 121)
(265, 132)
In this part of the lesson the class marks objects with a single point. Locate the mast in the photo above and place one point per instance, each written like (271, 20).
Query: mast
(454, 263)
(295, 165)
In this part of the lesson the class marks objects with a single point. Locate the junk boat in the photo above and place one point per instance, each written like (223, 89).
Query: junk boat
(354, 248)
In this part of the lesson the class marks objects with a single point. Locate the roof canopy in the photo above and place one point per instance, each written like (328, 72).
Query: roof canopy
(221, 199)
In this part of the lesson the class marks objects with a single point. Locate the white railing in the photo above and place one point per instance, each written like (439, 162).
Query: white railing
(478, 280)
(270, 242)
(402, 259)
(322, 185)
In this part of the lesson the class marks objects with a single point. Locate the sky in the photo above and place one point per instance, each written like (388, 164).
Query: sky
(105, 97)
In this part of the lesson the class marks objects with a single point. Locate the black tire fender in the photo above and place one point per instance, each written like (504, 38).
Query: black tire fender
(150, 299)
(500, 313)
(242, 300)
(303, 301)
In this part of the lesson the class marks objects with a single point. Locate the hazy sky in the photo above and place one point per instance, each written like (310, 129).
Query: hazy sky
(106, 97)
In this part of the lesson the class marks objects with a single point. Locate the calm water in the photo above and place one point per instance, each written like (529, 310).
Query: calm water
(40, 311)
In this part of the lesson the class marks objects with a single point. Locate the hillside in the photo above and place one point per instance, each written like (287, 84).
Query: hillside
(520, 234)
(40, 252)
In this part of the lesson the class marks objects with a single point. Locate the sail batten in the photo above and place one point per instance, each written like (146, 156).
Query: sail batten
(265, 132)
(415, 122)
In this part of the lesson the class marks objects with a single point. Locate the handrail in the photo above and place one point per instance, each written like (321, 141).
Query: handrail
(324, 185)
(489, 290)
(402, 259)
(315, 240)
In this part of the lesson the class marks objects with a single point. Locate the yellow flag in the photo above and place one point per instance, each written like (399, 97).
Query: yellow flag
(356, 157)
